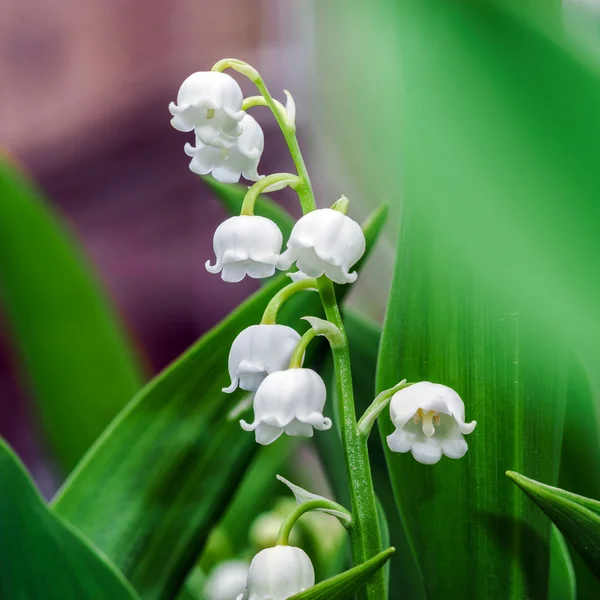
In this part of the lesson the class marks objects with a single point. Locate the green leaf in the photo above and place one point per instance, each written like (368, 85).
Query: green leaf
(345, 585)
(232, 196)
(563, 583)
(76, 356)
(448, 326)
(167, 466)
(577, 517)
(41, 556)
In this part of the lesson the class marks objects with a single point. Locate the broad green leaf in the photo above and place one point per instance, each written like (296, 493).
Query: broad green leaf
(42, 556)
(445, 325)
(232, 197)
(75, 354)
(345, 585)
(167, 466)
(563, 583)
(577, 517)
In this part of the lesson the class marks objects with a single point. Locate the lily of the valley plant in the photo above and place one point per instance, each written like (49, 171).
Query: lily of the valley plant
(267, 359)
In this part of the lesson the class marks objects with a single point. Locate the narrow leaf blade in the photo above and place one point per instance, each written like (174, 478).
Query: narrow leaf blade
(80, 364)
(345, 585)
(40, 555)
(577, 517)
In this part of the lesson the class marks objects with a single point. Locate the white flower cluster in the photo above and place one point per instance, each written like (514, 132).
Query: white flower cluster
(229, 144)
(286, 400)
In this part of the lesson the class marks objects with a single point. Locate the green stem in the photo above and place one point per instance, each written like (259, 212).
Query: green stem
(365, 424)
(300, 349)
(321, 503)
(277, 181)
(270, 314)
(304, 190)
(365, 537)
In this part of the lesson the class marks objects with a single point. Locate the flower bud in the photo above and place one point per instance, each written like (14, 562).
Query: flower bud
(228, 165)
(279, 573)
(209, 103)
(227, 581)
(258, 351)
(430, 421)
(289, 401)
(246, 245)
(326, 242)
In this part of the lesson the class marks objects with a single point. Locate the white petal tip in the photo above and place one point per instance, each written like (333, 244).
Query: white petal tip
(247, 426)
(212, 268)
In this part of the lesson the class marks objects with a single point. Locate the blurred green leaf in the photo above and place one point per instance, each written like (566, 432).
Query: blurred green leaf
(444, 325)
(231, 195)
(577, 517)
(75, 354)
(168, 465)
(345, 585)
(563, 583)
(41, 556)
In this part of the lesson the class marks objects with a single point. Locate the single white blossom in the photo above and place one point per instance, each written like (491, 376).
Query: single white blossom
(246, 245)
(227, 580)
(278, 573)
(289, 401)
(229, 164)
(209, 103)
(325, 241)
(258, 351)
(430, 421)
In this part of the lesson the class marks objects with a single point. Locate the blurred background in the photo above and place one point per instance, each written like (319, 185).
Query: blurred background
(84, 90)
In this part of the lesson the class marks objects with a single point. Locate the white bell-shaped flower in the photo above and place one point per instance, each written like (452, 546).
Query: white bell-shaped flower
(258, 351)
(430, 421)
(289, 401)
(279, 573)
(325, 241)
(229, 164)
(209, 103)
(246, 245)
(227, 581)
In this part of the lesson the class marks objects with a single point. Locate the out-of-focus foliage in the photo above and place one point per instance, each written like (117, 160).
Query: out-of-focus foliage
(42, 556)
(482, 117)
(75, 352)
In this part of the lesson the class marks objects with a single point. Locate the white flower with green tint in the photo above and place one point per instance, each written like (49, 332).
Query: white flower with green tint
(227, 165)
(210, 104)
(258, 351)
(278, 573)
(289, 401)
(325, 241)
(246, 245)
(227, 581)
(430, 421)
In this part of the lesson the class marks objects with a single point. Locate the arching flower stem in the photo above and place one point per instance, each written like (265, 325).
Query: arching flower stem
(366, 422)
(322, 503)
(270, 314)
(304, 190)
(299, 351)
(270, 183)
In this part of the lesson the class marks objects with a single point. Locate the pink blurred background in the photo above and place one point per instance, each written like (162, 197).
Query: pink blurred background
(84, 90)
